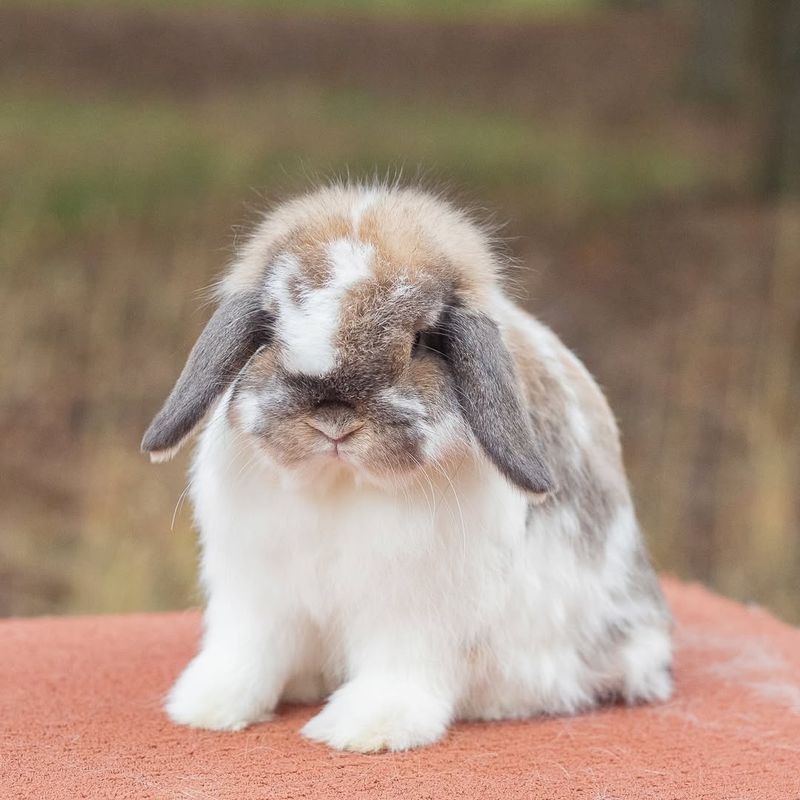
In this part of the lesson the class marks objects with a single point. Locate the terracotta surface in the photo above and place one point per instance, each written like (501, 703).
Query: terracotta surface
(80, 718)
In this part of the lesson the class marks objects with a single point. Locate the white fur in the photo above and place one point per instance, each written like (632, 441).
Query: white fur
(162, 456)
(366, 199)
(440, 435)
(403, 401)
(308, 329)
(418, 606)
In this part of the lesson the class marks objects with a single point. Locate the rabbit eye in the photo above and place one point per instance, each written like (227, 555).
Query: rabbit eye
(427, 341)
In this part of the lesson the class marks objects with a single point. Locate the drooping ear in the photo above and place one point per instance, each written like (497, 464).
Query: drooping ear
(231, 336)
(490, 399)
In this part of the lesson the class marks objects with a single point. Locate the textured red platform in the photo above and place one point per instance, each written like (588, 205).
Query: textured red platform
(80, 717)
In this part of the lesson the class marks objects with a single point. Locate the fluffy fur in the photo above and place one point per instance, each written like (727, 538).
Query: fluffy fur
(410, 494)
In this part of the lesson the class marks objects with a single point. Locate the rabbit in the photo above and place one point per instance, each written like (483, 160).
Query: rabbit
(409, 493)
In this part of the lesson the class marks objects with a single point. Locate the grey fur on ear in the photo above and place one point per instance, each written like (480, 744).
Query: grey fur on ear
(490, 399)
(230, 337)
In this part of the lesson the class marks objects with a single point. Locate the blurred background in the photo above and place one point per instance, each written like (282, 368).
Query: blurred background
(644, 157)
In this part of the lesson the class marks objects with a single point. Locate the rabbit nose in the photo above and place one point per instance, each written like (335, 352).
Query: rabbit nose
(335, 424)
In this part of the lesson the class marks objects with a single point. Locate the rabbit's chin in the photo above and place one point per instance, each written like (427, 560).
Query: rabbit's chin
(327, 471)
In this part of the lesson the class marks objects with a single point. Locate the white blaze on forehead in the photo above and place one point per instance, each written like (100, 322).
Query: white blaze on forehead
(350, 261)
(307, 328)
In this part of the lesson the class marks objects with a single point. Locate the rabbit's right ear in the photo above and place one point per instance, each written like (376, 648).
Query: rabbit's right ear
(235, 331)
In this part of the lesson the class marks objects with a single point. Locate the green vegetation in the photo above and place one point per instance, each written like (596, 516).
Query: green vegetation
(424, 9)
(83, 163)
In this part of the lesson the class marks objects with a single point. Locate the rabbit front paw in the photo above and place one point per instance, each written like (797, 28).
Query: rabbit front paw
(367, 716)
(210, 695)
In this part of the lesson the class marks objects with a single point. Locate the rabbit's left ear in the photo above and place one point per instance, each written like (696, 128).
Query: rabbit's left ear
(231, 336)
(490, 398)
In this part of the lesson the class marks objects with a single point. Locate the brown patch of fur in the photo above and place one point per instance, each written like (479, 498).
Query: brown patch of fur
(414, 234)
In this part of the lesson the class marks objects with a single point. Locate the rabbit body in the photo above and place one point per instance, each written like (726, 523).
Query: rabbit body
(461, 589)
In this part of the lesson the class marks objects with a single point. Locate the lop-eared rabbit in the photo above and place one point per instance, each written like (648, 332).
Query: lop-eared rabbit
(410, 494)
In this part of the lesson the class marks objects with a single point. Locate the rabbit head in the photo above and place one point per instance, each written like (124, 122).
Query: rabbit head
(355, 332)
